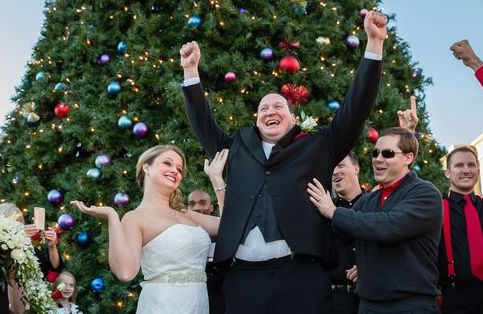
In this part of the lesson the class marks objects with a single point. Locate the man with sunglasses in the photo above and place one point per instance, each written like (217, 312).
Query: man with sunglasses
(397, 230)
(461, 245)
(200, 201)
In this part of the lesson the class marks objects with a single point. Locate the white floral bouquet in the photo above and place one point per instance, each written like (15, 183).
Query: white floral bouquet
(18, 261)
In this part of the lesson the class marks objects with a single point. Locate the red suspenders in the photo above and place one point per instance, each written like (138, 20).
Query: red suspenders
(447, 239)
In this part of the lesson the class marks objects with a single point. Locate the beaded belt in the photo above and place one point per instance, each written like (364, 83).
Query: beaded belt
(178, 277)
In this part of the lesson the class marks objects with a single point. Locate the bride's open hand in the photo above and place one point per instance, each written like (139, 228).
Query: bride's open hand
(95, 211)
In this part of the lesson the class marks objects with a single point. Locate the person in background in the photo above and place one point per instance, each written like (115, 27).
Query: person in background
(66, 285)
(200, 201)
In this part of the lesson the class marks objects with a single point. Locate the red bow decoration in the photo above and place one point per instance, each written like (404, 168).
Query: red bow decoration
(295, 94)
(300, 135)
(294, 45)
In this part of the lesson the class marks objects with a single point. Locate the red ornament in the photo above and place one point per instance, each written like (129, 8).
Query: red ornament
(61, 110)
(289, 64)
(293, 45)
(56, 294)
(372, 135)
(295, 94)
(230, 77)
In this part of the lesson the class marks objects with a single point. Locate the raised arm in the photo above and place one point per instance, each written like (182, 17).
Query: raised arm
(348, 123)
(198, 110)
(408, 118)
(125, 240)
(214, 170)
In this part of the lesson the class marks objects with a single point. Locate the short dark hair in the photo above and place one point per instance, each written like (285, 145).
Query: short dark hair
(462, 148)
(407, 141)
(353, 157)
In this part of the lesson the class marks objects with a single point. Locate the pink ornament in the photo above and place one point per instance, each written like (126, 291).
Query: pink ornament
(230, 77)
(363, 13)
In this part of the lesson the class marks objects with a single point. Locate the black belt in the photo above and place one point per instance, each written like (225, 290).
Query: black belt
(343, 288)
(274, 262)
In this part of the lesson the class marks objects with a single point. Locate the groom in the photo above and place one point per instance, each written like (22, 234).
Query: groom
(277, 246)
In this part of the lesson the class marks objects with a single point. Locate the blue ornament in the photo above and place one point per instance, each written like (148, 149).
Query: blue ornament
(66, 221)
(267, 54)
(102, 160)
(352, 42)
(121, 47)
(114, 88)
(416, 167)
(40, 76)
(300, 9)
(241, 10)
(82, 238)
(194, 21)
(55, 197)
(94, 173)
(124, 122)
(121, 199)
(416, 72)
(97, 285)
(60, 87)
(140, 130)
(333, 105)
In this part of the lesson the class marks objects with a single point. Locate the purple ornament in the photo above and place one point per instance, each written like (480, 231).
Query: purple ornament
(66, 221)
(102, 160)
(230, 77)
(352, 42)
(121, 199)
(241, 10)
(266, 54)
(140, 130)
(363, 13)
(416, 72)
(55, 197)
(103, 59)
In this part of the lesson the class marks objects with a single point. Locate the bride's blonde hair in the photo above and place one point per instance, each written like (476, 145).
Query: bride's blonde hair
(11, 210)
(176, 198)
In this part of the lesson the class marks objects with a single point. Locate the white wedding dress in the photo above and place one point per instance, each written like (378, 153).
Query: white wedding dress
(173, 265)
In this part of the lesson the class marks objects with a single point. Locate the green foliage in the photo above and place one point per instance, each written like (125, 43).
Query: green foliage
(58, 152)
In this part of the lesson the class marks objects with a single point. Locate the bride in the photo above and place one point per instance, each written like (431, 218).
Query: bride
(168, 243)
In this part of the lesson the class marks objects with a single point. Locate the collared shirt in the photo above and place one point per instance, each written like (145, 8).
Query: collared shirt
(386, 191)
(459, 239)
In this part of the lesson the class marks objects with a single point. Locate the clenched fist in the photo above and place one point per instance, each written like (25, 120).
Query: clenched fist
(190, 55)
(375, 26)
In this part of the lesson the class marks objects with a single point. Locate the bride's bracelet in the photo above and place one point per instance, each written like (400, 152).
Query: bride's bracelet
(221, 188)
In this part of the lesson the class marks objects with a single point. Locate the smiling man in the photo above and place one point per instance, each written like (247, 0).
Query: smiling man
(461, 247)
(397, 230)
(276, 247)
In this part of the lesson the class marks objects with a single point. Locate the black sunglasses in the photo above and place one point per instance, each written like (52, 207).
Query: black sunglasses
(386, 153)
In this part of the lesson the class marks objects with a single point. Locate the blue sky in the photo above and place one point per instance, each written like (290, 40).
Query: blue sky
(454, 102)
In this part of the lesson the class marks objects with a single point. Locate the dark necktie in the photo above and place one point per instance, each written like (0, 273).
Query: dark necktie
(475, 238)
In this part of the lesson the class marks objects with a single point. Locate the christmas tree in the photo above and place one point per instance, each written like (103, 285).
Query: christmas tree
(104, 84)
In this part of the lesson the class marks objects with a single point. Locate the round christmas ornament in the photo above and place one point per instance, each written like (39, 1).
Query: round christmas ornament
(289, 64)
(323, 40)
(333, 105)
(372, 135)
(194, 21)
(82, 238)
(300, 8)
(121, 47)
(121, 199)
(114, 88)
(97, 285)
(40, 76)
(267, 54)
(55, 197)
(66, 221)
(416, 72)
(61, 110)
(60, 87)
(94, 173)
(140, 130)
(15, 179)
(124, 122)
(102, 160)
(352, 42)
(103, 59)
(416, 167)
(241, 10)
(230, 77)
(363, 13)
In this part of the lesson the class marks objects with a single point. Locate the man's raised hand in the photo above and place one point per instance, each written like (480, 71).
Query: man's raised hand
(408, 118)
(190, 55)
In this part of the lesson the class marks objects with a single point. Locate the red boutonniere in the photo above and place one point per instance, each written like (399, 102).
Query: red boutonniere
(300, 135)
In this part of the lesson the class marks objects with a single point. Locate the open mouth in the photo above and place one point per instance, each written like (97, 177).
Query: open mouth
(337, 179)
(170, 178)
(272, 122)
